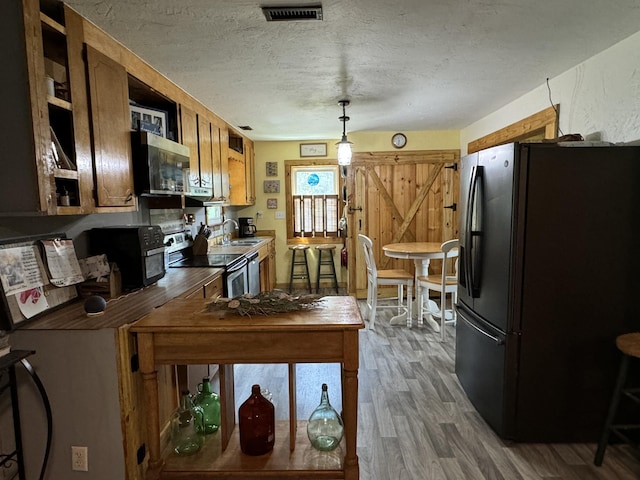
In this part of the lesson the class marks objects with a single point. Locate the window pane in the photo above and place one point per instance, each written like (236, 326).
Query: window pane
(315, 181)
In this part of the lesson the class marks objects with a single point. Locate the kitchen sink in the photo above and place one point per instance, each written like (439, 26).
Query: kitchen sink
(244, 242)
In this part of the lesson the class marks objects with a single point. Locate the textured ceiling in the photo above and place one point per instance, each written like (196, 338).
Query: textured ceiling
(404, 64)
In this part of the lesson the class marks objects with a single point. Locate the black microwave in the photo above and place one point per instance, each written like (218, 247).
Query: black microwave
(160, 166)
(138, 250)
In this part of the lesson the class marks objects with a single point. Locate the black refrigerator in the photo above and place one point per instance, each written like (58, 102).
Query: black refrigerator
(548, 277)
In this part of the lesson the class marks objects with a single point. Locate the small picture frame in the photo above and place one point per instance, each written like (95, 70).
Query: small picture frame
(148, 119)
(272, 186)
(272, 169)
(313, 149)
(272, 203)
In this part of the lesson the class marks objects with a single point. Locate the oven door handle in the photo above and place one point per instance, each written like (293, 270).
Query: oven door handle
(239, 265)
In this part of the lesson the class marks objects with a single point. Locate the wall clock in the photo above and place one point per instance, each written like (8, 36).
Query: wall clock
(399, 140)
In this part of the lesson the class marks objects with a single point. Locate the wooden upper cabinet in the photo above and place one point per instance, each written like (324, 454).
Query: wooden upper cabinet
(250, 172)
(108, 88)
(189, 138)
(223, 138)
(241, 171)
(43, 122)
(205, 144)
(208, 166)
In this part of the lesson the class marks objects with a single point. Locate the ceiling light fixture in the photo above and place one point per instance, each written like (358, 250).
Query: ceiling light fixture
(344, 146)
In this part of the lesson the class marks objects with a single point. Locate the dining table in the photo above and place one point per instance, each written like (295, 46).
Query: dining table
(421, 253)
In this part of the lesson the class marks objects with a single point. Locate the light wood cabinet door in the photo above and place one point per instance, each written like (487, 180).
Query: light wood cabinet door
(109, 95)
(220, 149)
(242, 175)
(189, 138)
(250, 172)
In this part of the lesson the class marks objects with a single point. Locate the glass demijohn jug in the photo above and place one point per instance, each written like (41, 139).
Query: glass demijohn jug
(325, 427)
(210, 404)
(256, 419)
(187, 420)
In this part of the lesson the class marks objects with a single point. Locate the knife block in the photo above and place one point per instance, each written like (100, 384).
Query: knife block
(200, 245)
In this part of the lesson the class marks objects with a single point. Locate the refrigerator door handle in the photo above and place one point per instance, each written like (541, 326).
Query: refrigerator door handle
(472, 237)
(498, 341)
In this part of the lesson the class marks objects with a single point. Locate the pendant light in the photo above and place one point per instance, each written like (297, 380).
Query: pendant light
(344, 146)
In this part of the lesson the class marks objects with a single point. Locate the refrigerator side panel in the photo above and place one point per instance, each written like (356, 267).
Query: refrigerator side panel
(495, 238)
(577, 286)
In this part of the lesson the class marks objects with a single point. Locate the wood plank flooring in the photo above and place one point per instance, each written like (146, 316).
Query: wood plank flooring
(414, 419)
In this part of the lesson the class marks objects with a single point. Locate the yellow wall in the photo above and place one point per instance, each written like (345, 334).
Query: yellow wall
(290, 150)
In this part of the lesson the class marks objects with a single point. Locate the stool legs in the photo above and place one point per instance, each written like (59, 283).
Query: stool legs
(295, 263)
(329, 262)
(613, 407)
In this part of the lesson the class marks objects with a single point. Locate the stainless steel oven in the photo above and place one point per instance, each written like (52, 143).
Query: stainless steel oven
(235, 276)
(236, 279)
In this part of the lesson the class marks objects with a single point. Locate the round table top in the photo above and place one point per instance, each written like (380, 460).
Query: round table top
(413, 248)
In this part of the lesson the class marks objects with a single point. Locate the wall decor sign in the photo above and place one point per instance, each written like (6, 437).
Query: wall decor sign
(272, 186)
(272, 203)
(147, 119)
(272, 169)
(313, 149)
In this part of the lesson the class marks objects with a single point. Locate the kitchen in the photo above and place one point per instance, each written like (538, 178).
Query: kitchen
(579, 111)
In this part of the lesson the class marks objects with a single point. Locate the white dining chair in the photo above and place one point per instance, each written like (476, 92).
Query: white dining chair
(443, 282)
(376, 278)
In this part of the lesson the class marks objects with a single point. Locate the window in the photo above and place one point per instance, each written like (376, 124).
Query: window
(313, 206)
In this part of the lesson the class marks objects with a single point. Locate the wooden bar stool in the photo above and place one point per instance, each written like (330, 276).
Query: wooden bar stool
(629, 345)
(298, 263)
(325, 257)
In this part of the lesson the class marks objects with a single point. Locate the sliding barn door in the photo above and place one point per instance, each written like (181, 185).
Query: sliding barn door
(399, 197)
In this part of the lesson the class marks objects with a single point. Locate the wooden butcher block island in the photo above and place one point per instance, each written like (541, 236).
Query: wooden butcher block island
(185, 332)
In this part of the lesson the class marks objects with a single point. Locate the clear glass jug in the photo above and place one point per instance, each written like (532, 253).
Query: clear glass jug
(186, 423)
(325, 428)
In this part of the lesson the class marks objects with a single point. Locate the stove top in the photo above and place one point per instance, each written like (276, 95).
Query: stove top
(219, 260)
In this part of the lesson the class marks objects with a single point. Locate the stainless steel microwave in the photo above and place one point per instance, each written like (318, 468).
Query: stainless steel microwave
(160, 166)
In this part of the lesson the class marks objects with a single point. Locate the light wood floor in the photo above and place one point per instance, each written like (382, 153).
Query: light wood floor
(415, 422)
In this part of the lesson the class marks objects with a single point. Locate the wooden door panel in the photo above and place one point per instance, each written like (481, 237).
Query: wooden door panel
(402, 198)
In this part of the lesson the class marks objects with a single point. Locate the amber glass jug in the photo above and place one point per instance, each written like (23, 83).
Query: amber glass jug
(256, 419)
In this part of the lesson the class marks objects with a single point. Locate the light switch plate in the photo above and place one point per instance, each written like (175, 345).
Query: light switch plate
(280, 215)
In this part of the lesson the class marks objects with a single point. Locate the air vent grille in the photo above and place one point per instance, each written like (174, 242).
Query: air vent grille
(245, 127)
(282, 14)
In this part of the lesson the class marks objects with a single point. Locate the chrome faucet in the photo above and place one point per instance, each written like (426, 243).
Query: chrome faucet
(225, 236)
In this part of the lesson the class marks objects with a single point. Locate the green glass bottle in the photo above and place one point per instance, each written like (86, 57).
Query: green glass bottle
(325, 427)
(210, 404)
(187, 420)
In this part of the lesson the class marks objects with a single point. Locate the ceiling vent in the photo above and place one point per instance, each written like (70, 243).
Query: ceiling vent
(281, 14)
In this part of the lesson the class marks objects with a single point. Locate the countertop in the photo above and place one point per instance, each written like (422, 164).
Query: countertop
(129, 307)
(244, 249)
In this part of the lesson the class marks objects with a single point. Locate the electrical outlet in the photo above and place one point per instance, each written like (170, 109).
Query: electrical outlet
(280, 214)
(80, 459)
(259, 214)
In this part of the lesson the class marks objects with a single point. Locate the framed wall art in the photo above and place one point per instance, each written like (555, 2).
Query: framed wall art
(313, 149)
(272, 169)
(272, 203)
(272, 186)
(147, 119)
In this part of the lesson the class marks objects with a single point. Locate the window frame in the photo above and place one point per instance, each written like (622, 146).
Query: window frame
(291, 238)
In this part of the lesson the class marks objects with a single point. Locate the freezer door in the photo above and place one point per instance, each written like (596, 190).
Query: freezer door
(487, 197)
(482, 370)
